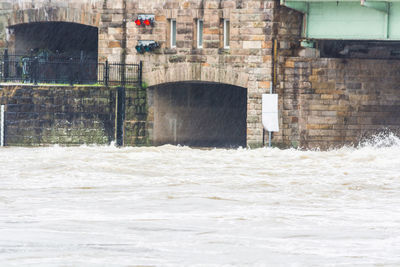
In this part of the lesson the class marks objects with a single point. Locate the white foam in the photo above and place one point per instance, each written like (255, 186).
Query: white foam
(178, 206)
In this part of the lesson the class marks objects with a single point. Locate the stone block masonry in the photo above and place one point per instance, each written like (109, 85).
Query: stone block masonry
(136, 125)
(57, 115)
(334, 102)
(43, 115)
(246, 63)
(324, 102)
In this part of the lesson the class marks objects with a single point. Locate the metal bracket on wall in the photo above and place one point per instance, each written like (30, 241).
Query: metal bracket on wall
(147, 42)
(307, 43)
(146, 46)
(144, 17)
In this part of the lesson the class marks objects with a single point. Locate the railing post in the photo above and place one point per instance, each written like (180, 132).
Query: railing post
(123, 74)
(5, 65)
(71, 72)
(120, 116)
(34, 70)
(80, 68)
(31, 70)
(107, 68)
(140, 73)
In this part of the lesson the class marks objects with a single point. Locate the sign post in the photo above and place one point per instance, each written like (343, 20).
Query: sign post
(270, 119)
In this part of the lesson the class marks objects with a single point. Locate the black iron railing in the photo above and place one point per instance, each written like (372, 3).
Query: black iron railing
(61, 70)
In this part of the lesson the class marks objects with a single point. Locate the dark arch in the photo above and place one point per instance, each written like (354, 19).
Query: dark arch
(64, 38)
(197, 113)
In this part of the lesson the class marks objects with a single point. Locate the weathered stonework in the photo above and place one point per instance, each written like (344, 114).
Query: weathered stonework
(247, 63)
(323, 102)
(43, 115)
(137, 126)
(339, 101)
(13, 13)
(331, 102)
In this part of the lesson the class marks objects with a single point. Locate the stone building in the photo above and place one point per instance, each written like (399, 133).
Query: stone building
(216, 59)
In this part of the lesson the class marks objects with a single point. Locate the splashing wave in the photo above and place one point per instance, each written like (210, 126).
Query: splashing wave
(381, 140)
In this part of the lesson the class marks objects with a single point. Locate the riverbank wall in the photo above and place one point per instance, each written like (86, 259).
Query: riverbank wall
(332, 102)
(68, 115)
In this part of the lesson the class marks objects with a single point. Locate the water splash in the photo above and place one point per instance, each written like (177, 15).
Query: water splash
(385, 139)
(172, 205)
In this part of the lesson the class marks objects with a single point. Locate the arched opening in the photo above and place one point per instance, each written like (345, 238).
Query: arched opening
(55, 52)
(64, 39)
(199, 114)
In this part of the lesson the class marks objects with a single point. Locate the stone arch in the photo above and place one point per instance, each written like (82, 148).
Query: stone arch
(55, 14)
(189, 72)
(24, 13)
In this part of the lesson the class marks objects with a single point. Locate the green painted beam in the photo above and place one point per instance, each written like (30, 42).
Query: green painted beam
(299, 6)
(380, 6)
(349, 19)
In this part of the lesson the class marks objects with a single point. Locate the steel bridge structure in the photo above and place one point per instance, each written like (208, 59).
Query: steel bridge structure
(348, 19)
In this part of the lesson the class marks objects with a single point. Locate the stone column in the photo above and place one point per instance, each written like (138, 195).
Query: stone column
(111, 31)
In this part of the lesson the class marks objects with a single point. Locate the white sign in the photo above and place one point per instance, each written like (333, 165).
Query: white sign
(270, 112)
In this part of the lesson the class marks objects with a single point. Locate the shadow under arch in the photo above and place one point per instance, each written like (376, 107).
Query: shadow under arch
(64, 38)
(199, 114)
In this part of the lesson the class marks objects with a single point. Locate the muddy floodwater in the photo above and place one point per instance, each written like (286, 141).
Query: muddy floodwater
(177, 206)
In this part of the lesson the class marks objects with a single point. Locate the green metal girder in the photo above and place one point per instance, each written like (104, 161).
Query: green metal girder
(380, 6)
(348, 19)
(299, 6)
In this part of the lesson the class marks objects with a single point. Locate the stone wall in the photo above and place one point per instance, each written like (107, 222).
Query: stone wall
(247, 63)
(43, 115)
(58, 115)
(288, 33)
(322, 102)
(137, 127)
(340, 101)
(329, 102)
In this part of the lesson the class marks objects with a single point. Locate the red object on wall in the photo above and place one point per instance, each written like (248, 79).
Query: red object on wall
(146, 22)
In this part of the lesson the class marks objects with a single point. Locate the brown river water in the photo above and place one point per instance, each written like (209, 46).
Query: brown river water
(178, 206)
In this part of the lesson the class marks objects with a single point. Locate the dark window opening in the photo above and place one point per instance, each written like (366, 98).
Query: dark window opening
(359, 49)
(63, 39)
(52, 52)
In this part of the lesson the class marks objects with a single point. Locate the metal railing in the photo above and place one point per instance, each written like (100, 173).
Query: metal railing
(61, 70)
